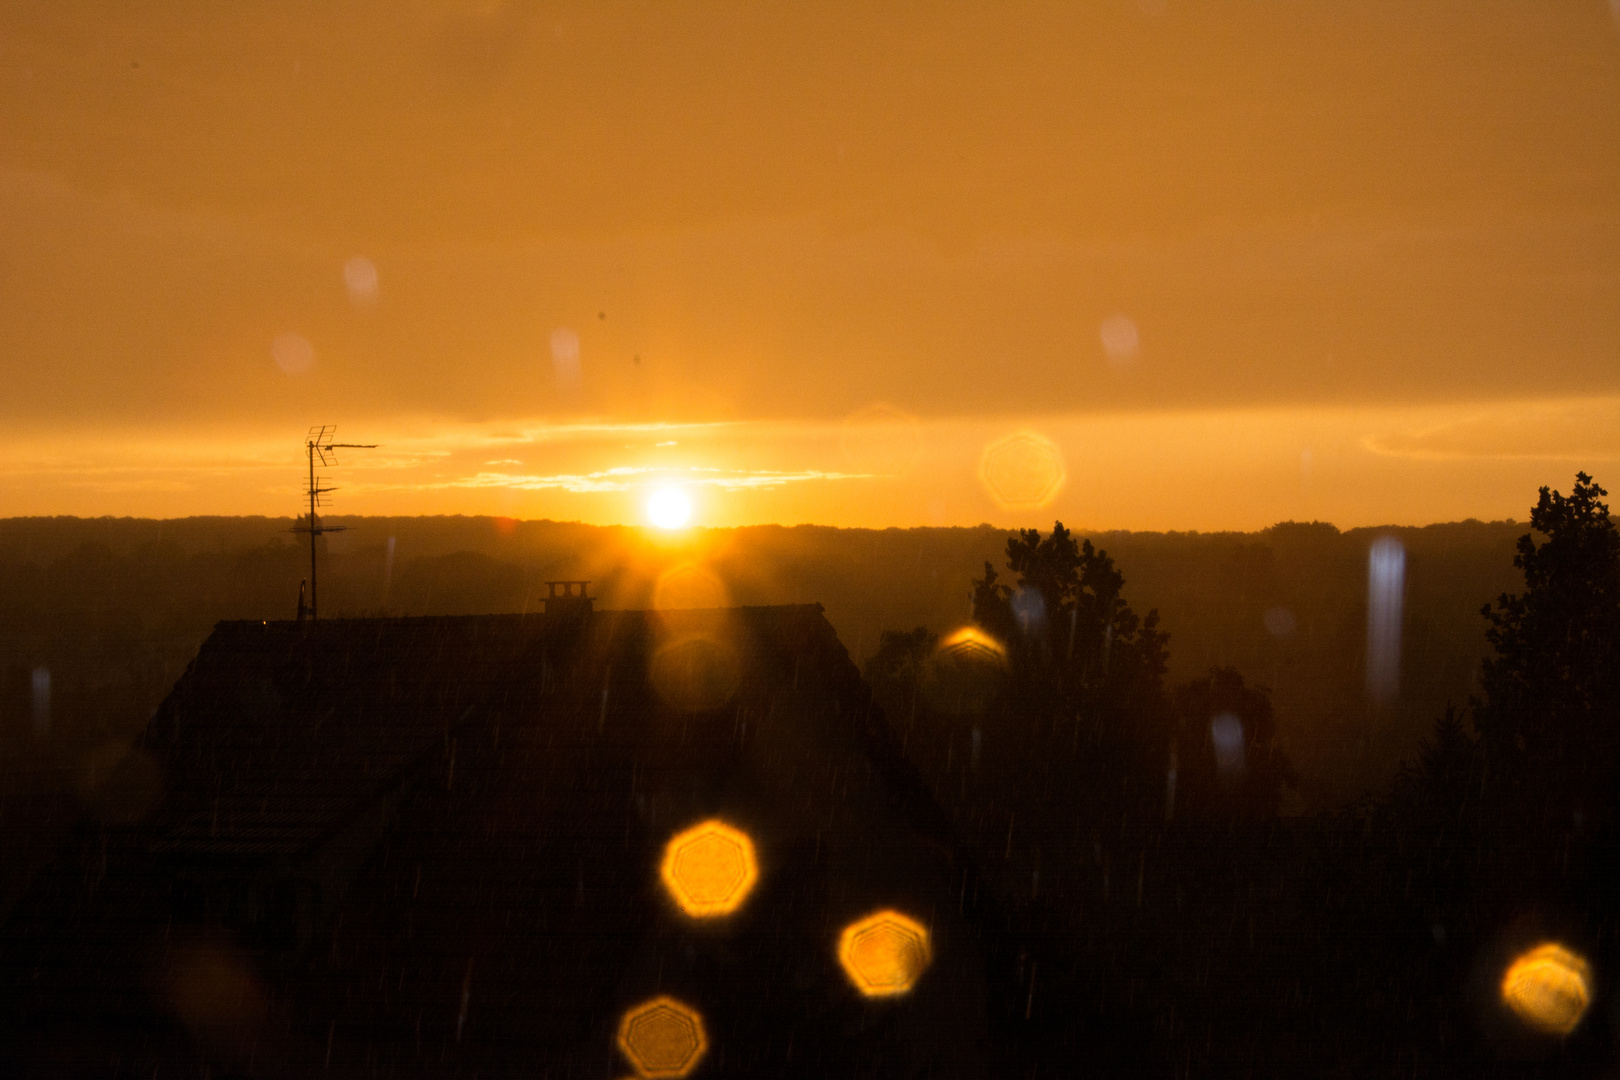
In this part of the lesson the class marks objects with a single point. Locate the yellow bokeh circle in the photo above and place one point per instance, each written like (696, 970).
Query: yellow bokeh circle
(1022, 471)
(663, 1038)
(709, 869)
(885, 953)
(1549, 988)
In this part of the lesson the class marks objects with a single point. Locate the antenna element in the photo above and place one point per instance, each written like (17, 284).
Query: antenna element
(318, 446)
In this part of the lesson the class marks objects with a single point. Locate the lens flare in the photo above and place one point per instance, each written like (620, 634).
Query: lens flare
(1549, 988)
(669, 508)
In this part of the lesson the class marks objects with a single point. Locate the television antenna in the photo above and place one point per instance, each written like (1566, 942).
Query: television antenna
(318, 446)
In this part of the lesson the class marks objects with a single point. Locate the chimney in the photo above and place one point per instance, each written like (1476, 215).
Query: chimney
(568, 598)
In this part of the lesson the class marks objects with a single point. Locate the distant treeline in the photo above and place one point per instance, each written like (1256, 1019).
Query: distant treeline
(99, 616)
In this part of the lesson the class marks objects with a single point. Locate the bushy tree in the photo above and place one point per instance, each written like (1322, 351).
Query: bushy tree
(1067, 616)
(1549, 713)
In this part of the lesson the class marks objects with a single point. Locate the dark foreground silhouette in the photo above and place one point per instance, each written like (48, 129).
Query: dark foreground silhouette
(404, 846)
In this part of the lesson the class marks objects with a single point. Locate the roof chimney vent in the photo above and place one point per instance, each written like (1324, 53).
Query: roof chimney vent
(568, 598)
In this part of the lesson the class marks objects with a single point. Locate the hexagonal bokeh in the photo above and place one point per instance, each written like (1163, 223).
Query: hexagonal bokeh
(710, 869)
(1022, 471)
(972, 647)
(885, 953)
(1549, 988)
(663, 1038)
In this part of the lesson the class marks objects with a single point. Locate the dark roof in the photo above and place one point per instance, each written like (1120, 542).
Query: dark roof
(430, 846)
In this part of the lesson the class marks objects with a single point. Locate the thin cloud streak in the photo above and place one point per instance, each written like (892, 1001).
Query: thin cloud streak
(1212, 469)
(618, 479)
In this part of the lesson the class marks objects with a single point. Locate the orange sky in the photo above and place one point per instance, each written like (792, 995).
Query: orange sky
(1233, 262)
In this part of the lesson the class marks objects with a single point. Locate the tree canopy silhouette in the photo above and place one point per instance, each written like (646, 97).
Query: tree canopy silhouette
(1547, 717)
(1067, 615)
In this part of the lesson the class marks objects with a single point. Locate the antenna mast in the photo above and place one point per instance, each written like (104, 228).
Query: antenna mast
(318, 446)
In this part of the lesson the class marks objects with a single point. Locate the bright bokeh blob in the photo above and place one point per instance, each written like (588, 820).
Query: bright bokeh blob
(1549, 988)
(710, 869)
(1022, 471)
(965, 672)
(663, 1038)
(885, 953)
(972, 646)
(669, 508)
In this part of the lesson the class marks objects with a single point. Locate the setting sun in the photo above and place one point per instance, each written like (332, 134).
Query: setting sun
(669, 508)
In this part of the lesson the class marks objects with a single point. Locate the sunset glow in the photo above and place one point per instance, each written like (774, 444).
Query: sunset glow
(669, 508)
(1143, 287)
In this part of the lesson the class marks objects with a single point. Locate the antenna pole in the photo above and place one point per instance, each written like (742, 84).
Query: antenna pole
(319, 444)
(314, 611)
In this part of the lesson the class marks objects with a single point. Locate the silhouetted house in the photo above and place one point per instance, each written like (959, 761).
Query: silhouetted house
(432, 846)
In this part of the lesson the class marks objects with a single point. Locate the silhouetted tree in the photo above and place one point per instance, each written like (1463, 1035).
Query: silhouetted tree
(1067, 615)
(1549, 715)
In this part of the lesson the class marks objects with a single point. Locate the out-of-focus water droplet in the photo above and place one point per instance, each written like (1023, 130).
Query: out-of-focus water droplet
(1022, 471)
(565, 358)
(1226, 733)
(709, 869)
(1549, 988)
(1120, 339)
(42, 700)
(1386, 593)
(215, 992)
(1280, 621)
(885, 953)
(663, 1038)
(882, 440)
(1029, 606)
(292, 353)
(360, 278)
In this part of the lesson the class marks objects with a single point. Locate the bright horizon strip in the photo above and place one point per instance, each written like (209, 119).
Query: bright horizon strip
(1219, 469)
